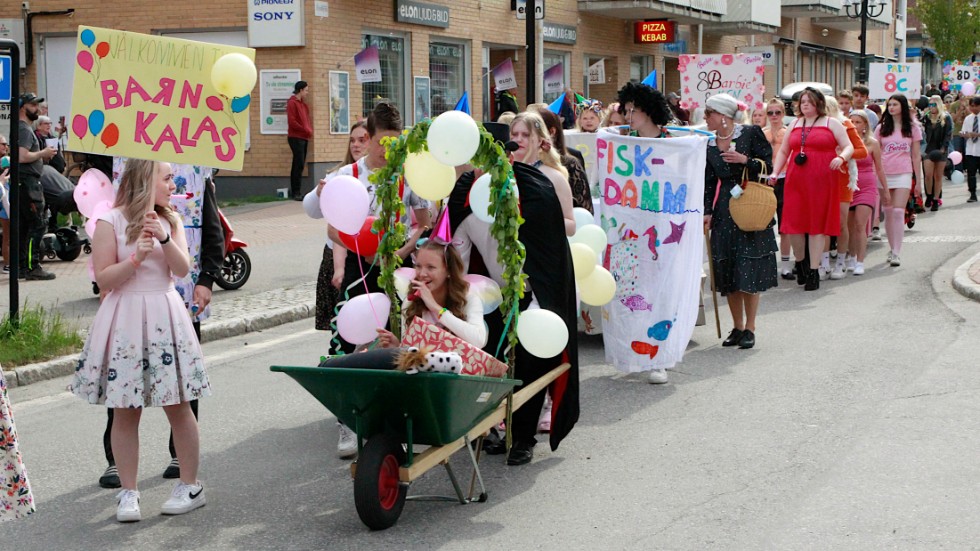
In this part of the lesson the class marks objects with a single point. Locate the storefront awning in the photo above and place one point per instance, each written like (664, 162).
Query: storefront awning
(686, 12)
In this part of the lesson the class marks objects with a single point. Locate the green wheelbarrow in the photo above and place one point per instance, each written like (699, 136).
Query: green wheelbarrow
(392, 411)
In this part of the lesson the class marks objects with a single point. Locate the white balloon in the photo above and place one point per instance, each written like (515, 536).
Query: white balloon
(427, 177)
(583, 260)
(597, 289)
(542, 332)
(583, 218)
(480, 198)
(957, 177)
(453, 138)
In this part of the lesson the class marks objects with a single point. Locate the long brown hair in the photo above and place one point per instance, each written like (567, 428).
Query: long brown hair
(135, 197)
(349, 159)
(456, 286)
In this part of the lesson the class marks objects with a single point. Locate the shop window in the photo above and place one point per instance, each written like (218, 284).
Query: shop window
(550, 59)
(392, 54)
(640, 67)
(447, 71)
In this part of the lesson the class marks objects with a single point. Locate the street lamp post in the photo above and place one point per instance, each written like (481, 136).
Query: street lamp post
(864, 9)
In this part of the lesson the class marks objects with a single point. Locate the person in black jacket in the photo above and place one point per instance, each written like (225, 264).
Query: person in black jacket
(206, 241)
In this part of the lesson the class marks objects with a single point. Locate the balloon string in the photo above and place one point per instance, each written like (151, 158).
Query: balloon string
(357, 249)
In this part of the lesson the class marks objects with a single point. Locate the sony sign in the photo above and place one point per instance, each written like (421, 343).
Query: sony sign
(273, 23)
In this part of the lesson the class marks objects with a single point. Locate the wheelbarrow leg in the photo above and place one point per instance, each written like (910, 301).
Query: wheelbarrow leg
(475, 458)
(452, 478)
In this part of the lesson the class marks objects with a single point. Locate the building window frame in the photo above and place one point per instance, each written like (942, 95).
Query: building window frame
(466, 59)
(565, 59)
(404, 83)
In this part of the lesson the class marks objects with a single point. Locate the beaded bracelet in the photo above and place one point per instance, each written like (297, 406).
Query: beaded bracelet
(441, 312)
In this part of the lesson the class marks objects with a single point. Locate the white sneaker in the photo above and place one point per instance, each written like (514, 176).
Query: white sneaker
(875, 234)
(347, 443)
(838, 272)
(657, 377)
(858, 268)
(895, 260)
(184, 499)
(850, 263)
(824, 274)
(890, 256)
(129, 506)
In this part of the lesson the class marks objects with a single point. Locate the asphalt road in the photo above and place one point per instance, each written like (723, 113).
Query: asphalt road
(854, 424)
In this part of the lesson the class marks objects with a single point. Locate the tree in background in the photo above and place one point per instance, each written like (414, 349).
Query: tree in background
(953, 26)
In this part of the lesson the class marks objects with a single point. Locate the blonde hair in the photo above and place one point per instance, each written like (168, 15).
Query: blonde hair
(866, 135)
(940, 116)
(506, 117)
(535, 125)
(135, 197)
(833, 108)
(607, 114)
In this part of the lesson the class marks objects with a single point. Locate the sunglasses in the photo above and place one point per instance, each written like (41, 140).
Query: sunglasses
(773, 113)
(933, 105)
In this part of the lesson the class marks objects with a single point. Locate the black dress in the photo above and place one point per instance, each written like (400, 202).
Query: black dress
(742, 261)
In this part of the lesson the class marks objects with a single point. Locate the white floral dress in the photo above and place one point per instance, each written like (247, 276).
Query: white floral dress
(141, 349)
(16, 499)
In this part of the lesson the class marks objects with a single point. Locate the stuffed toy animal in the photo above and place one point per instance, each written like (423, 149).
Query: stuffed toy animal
(414, 360)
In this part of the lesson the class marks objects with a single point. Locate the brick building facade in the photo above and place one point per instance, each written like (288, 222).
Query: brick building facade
(478, 35)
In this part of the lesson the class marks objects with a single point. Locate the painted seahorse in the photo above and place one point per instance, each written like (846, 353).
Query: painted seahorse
(652, 242)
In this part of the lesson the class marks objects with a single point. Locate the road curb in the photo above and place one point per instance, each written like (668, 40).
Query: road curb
(962, 282)
(65, 365)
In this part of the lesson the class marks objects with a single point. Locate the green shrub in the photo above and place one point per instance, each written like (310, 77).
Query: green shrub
(40, 335)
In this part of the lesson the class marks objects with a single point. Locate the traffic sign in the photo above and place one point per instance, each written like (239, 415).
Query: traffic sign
(538, 9)
(5, 76)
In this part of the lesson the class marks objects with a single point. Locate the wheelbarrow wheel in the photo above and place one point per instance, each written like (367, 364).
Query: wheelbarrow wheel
(378, 494)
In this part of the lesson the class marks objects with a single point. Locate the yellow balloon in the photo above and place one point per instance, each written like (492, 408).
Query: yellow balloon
(233, 75)
(584, 259)
(427, 177)
(591, 235)
(597, 289)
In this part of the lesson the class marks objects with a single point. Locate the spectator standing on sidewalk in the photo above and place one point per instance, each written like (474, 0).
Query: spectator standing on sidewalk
(299, 134)
(43, 132)
(971, 136)
(205, 243)
(31, 211)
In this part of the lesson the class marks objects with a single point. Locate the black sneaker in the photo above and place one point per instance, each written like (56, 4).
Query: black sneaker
(110, 478)
(39, 274)
(972, 199)
(522, 453)
(173, 469)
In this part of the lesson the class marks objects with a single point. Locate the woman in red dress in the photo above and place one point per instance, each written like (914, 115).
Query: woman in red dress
(812, 193)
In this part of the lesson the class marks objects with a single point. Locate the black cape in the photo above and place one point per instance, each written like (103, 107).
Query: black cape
(549, 268)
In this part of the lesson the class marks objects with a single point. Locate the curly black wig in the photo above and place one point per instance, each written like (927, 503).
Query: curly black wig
(647, 99)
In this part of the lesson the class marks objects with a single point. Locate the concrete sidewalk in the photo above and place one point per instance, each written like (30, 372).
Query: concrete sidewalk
(966, 280)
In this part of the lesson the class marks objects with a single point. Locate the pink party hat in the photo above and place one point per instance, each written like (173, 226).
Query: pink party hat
(442, 231)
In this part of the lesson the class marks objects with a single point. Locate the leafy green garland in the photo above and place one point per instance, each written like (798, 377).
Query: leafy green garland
(490, 158)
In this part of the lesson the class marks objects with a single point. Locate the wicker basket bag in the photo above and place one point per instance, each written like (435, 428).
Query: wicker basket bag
(754, 209)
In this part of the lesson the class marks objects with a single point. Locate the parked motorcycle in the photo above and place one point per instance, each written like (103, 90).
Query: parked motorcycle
(237, 266)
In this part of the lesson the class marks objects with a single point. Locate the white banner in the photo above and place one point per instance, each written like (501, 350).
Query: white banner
(585, 143)
(597, 72)
(887, 79)
(651, 209)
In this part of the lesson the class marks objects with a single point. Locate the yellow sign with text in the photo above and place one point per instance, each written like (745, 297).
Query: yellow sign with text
(166, 99)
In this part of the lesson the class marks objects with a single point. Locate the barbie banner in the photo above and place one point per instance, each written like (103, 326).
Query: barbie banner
(651, 210)
(740, 75)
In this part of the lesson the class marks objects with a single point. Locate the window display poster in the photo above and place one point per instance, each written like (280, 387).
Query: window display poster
(339, 102)
(554, 79)
(423, 97)
(740, 75)
(275, 88)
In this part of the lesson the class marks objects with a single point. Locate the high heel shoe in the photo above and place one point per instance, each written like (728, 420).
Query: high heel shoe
(801, 271)
(812, 280)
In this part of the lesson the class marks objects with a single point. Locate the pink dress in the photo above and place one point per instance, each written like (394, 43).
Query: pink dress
(141, 349)
(867, 193)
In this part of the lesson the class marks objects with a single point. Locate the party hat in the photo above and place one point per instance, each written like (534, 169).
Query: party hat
(463, 104)
(651, 79)
(442, 231)
(555, 106)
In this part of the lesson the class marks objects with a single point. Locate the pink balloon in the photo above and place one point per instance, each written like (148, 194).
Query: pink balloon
(345, 204)
(968, 88)
(79, 125)
(956, 157)
(361, 317)
(214, 103)
(93, 188)
(85, 60)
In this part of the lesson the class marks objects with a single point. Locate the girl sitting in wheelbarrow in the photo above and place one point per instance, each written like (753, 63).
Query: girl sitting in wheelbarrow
(438, 295)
